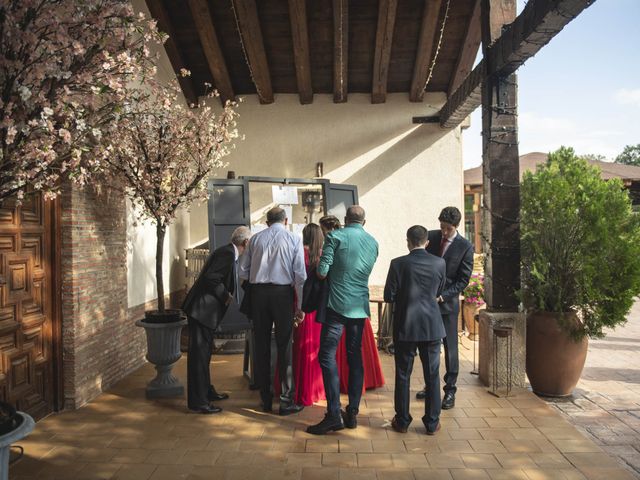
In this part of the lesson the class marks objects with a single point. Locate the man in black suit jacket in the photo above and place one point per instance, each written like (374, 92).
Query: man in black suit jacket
(457, 252)
(413, 286)
(205, 306)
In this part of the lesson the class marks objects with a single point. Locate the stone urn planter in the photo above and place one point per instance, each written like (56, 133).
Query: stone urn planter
(469, 314)
(23, 429)
(554, 360)
(163, 351)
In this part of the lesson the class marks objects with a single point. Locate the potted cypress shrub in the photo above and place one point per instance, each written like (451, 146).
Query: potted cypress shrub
(580, 245)
(165, 154)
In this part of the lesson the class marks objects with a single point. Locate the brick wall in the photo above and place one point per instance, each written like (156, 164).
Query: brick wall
(101, 343)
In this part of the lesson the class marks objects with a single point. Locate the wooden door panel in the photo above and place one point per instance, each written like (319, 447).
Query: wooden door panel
(26, 360)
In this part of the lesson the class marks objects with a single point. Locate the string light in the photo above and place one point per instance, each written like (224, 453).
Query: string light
(438, 46)
(244, 52)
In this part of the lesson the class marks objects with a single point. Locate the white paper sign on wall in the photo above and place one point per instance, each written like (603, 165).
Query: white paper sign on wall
(284, 194)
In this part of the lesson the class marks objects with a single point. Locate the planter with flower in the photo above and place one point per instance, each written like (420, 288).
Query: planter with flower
(166, 153)
(473, 302)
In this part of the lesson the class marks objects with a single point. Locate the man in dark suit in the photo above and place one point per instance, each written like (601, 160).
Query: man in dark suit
(457, 252)
(205, 306)
(413, 286)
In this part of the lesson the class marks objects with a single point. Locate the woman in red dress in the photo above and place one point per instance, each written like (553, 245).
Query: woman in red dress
(306, 340)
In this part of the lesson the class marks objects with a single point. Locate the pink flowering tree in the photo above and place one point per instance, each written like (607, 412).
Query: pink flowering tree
(65, 69)
(165, 153)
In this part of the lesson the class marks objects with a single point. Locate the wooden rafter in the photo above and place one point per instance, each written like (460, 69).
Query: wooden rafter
(251, 36)
(164, 25)
(470, 45)
(428, 33)
(382, 55)
(209, 40)
(340, 50)
(539, 22)
(300, 38)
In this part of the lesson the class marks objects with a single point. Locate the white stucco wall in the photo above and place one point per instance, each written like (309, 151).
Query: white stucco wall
(405, 173)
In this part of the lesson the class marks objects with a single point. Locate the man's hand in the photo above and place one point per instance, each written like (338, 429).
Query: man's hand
(298, 318)
(440, 299)
(229, 300)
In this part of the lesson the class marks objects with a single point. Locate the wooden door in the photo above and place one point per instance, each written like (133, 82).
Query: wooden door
(27, 306)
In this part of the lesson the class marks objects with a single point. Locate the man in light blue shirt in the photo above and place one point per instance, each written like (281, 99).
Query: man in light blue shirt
(273, 263)
(348, 256)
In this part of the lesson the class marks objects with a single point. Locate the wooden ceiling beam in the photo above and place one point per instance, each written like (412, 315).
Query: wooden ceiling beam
(340, 50)
(251, 37)
(211, 47)
(428, 33)
(300, 38)
(158, 12)
(382, 55)
(539, 22)
(470, 46)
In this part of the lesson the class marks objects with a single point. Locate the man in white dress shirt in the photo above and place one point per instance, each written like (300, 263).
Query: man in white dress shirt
(273, 264)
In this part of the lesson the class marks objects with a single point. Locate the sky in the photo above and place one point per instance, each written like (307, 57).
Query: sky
(581, 90)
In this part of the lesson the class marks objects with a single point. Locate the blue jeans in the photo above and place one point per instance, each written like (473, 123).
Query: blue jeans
(330, 336)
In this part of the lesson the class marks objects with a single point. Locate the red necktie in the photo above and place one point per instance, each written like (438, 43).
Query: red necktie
(443, 242)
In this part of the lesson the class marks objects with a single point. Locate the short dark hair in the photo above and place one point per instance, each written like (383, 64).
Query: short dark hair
(355, 214)
(276, 215)
(450, 215)
(417, 235)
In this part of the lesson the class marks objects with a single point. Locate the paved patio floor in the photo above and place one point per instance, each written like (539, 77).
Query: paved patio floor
(606, 403)
(121, 435)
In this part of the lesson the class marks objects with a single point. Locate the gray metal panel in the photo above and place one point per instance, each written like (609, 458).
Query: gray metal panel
(228, 208)
(339, 198)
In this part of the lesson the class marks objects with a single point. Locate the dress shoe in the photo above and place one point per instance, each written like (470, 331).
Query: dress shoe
(215, 396)
(422, 394)
(449, 401)
(433, 432)
(206, 409)
(328, 424)
(397, 427)
(289, 409)
(266, 407)
(349, 418)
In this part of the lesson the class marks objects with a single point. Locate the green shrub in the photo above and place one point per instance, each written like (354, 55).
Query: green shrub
(580, 244)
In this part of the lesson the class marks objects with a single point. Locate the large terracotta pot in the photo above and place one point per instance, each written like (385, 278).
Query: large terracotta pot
(469, 312)
(554, 360)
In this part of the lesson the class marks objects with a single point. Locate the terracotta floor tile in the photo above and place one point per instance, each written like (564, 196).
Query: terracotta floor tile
(322, 445)
(325, 473)
(374, 460)
(487, 446)
(455, 446)
(97, 471)
(515, 460)
(479, 460)
(576, 446)
(304, 459)
(134, 471)
(388, 446)
(395, 474)
(468, 474)
(464, 434)
(545, 474)
(345, 460)
(521, 446)
(431, 474)
(355, 445)
(424, 445)
(199, 458)
(357, 474)
(207, 473)
(445, 460)
(591, 459)
(507, 474)
(409, 460)
(593, 473)
(550, 460)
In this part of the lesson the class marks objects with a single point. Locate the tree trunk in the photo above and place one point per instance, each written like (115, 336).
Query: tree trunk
(160, 231)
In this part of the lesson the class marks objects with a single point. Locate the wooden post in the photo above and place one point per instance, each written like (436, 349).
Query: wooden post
(501, 185)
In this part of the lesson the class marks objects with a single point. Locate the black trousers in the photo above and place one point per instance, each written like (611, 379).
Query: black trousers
(404, 355)
(330, 335)
(451, 360)
(198, 359)
(273, 305)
